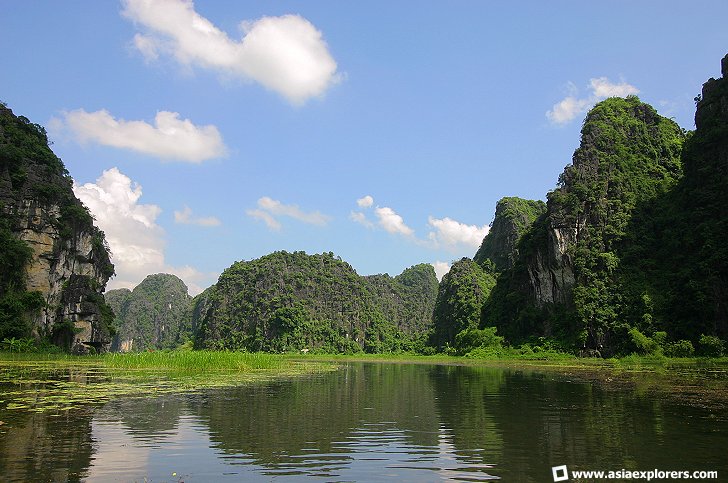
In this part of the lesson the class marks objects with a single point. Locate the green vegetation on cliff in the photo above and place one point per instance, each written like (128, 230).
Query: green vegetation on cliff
(293, 301)
(570, 281)
(693, 253)
(629, 255)
(15, 301)
(466, 288)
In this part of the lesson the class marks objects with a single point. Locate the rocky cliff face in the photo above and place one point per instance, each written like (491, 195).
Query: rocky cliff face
(291, 301)
(155, 315)
(69, 261)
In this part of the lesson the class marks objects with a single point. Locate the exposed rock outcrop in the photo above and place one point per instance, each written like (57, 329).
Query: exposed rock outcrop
(69, 264)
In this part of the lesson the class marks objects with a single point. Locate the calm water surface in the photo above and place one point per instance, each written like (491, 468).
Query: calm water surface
(370, 422)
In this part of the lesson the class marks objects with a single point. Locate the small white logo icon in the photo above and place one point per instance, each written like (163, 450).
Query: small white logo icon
(560, 473)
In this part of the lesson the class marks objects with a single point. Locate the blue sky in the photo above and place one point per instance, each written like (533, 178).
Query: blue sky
(204, 133)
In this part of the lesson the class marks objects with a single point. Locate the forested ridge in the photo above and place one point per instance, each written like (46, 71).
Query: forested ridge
(293, 301)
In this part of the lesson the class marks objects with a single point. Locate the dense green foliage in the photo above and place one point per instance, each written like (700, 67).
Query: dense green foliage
(638, 154)
(460, 298)
(294, 301)
(155, 315)
(482, 339)
(690, 264)
(631, 255)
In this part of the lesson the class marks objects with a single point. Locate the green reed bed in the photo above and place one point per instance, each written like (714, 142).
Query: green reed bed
(197, 361)
(60, 382)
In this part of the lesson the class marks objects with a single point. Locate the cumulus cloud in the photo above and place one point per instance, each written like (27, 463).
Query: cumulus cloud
(365, 202)
(392, 222)
(185, 217)
(268, 209)
(452, 234)
(441, 268)
(136, 241)
(169, 138)
(571, 106)
(285, 54)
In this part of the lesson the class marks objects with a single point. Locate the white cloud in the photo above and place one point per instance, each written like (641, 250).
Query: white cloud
(169, 138)
(269, 208)
(185, 217)
(285, 54)
(441, 268)
(365, 202)
(571, 106)
(271, 222)
(387, 218)
(136, 241)
(452, 234)
(602, 88)
(361, 218)
(147, 47)
(392, 222)
(567, 109)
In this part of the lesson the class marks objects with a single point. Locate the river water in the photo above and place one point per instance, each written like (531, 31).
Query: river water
(373, 422)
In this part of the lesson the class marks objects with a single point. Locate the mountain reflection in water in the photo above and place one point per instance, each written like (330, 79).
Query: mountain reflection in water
(370, 422)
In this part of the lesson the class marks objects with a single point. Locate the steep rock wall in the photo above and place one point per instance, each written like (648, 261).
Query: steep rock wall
(69, 264)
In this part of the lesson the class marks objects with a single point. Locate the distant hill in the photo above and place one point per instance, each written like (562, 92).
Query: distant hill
(155, 315)
(292, 301)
